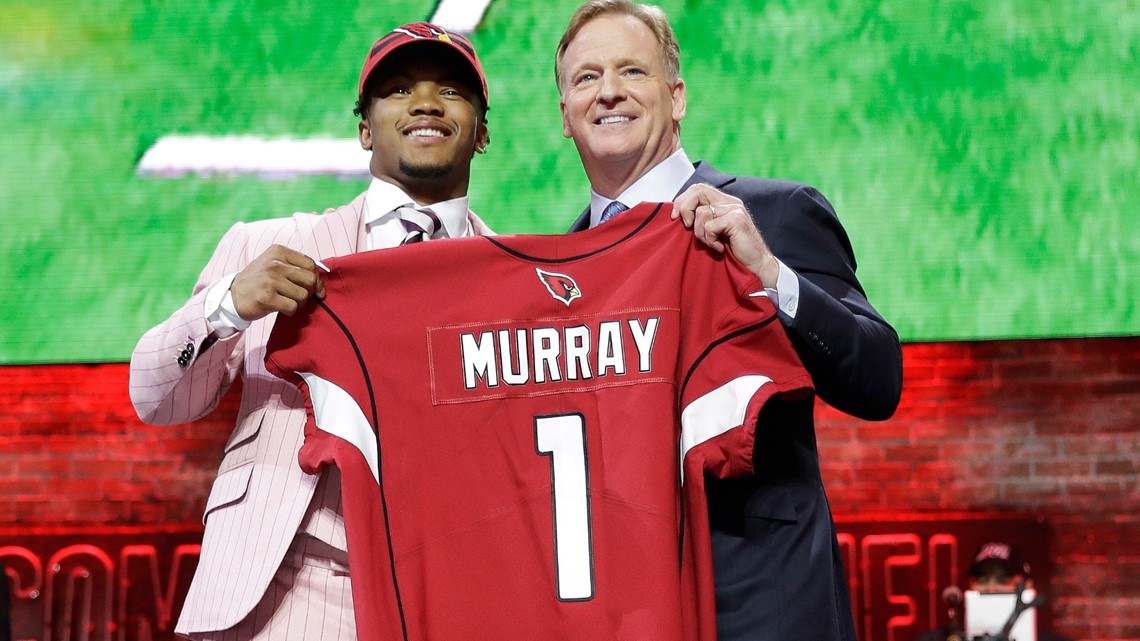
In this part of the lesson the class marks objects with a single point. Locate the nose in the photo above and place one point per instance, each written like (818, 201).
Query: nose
(611, 89)
(426, 100)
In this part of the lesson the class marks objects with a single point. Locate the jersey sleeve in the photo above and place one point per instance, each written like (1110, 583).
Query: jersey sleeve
(315, 350)
(735, 356)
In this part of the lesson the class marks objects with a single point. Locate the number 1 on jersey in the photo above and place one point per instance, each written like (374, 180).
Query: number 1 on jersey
(563, 438)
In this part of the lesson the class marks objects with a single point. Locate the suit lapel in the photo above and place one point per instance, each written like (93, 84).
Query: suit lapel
(478, 227)
(583, 221)
(337, 232)
(707, 174)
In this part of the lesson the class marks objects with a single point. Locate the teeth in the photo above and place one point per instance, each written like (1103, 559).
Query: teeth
(612, 119)
(426, 132)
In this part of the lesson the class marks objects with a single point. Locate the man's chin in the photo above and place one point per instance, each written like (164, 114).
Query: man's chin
(616, 155)
(425, 171)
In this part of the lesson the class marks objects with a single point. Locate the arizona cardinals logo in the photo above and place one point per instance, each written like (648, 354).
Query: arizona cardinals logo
(560, 286)
(425, 31)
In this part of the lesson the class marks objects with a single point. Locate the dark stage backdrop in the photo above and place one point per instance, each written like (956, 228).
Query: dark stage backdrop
(1031, 441)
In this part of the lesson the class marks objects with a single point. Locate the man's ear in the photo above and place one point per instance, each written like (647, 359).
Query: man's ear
(482, 138)
(566, 133)
(365, 134)
(678, 101)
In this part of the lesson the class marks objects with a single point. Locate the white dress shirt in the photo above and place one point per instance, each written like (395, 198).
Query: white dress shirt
(382, 221)
(663, 183)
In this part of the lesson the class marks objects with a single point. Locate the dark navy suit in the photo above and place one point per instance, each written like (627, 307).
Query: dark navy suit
(779, 575)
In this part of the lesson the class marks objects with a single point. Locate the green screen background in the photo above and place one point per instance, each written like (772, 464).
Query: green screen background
(982, 155)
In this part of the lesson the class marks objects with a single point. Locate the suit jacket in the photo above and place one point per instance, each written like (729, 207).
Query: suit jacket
(179, 372)
(777, 566)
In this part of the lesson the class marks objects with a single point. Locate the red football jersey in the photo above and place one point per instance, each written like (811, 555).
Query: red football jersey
(523, 423)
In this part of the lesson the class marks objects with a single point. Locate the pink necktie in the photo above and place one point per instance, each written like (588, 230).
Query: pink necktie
(420, 224)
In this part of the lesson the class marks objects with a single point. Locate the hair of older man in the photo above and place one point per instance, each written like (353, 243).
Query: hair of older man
(651, 15)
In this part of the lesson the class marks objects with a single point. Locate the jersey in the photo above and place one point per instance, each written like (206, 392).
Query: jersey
(523, 425)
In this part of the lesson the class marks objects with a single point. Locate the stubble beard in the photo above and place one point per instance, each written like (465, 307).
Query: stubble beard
(425, 172)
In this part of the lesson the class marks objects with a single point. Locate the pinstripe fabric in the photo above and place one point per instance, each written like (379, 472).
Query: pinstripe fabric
(304, 602)
(261, 496)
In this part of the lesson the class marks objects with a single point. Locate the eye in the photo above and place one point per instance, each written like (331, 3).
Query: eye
(584, 77)
(394, 90)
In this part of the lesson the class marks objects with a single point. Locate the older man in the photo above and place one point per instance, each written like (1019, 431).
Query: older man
(274, 562)
(779, 574)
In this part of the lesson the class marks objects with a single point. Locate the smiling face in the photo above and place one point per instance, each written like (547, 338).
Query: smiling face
(618, 104)
(423, 124)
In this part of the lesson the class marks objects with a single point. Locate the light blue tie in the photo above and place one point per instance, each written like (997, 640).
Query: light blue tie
(611, 210)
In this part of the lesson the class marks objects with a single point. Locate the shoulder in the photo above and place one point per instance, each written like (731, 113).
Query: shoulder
(353, 209)
(785, 211)
(757, 188)
(337, 225)
(347, 217)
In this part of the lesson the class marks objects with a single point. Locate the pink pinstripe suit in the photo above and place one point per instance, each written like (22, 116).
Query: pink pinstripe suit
(260, 495)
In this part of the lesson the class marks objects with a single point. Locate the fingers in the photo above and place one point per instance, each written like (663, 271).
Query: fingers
(702, 201)
(714, 224)
(296, 268)
(714, 216)
(720, 220)
(280, 280)
(685, 205)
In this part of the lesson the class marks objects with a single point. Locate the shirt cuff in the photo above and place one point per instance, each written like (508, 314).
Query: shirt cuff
(786, 295)
(220, 311)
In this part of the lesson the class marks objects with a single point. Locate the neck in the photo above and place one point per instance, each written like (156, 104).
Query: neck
(427, 197)
(610, 184)
(426, 192)
(612, 177)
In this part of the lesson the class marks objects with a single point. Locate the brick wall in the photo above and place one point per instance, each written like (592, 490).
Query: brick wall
(1047, 427)
(73, 452)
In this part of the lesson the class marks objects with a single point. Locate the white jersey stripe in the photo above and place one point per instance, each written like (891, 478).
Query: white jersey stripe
(717, 412)
(337, 413)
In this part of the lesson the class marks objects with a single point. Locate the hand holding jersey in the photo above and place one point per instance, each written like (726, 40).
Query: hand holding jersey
(720, 221)
(279, 280)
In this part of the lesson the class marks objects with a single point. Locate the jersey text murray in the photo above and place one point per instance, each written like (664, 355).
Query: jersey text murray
(549, 354)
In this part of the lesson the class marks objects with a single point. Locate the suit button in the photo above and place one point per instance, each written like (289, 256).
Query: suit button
(186, 355)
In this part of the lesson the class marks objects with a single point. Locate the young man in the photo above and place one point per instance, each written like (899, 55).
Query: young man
(777, 566)
(273, 561)
(997, 567)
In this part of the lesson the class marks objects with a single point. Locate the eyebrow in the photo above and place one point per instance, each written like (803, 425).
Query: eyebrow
(621, 62)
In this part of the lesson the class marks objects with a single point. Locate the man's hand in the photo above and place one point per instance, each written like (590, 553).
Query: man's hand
(720, 221)
(279, 280)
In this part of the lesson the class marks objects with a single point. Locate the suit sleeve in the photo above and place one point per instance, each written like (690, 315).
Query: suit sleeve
(179, 369)
(852, 353)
